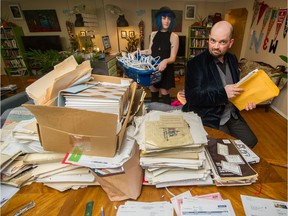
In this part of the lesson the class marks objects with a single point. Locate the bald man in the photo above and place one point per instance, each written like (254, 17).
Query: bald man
(210, 82)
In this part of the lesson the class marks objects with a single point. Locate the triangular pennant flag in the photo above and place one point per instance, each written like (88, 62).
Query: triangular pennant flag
(272, 21)
(285, 28)
(261, 11)
(281, 18)
(266, 17)
(256, 8)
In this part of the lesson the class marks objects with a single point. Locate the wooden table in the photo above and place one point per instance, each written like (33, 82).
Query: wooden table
(73, 202)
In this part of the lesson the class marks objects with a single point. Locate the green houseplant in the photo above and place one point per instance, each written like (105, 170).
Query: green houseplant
(44, 61)
(132, 44)
(283, 74)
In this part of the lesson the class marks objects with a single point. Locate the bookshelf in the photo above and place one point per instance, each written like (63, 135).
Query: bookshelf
(197, 40)
(12, 51)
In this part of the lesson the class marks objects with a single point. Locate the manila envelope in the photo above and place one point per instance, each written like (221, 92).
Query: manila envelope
(257, 88)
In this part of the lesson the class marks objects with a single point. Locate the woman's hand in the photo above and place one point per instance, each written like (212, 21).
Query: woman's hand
(162, 66)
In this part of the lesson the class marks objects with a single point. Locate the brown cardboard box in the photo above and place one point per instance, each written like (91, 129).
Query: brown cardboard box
(64, 129)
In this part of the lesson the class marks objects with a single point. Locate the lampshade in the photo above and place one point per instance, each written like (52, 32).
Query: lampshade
(79, 21)
(121, 21)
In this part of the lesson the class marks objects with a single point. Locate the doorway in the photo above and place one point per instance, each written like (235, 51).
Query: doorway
(238, 19)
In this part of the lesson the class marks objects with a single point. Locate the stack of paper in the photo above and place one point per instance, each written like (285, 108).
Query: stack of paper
(172, 148)
(98, 97)
(103, 166)
(246, 152)
(228, 165)
(67, 73)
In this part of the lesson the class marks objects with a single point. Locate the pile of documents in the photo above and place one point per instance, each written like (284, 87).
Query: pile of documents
(58, 170)
(98, 97)
(65, 74)
(182, 204)
(228, 165)
(172, 149)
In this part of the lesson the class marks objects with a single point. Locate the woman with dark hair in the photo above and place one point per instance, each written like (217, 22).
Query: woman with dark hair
(164, 43)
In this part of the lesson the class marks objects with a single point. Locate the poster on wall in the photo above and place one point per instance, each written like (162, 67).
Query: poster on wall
(42, 20)
(178, 20)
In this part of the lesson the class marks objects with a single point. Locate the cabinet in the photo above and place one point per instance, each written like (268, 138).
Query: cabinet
(197, 40)
(106, 66)
(12, 50)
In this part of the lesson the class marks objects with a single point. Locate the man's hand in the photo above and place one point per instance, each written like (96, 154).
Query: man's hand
(232, 90)
(250, 106)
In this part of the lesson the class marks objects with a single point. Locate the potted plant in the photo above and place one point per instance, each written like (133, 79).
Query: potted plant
(282, 68)
(44, 61)
(132, 44)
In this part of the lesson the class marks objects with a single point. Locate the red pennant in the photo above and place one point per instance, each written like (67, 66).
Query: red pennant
(281, 17)
(261, 11)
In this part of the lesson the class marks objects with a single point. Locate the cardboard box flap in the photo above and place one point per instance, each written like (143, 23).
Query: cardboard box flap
(89, 145)
(122, 132)
(111, 79)
(74, 120)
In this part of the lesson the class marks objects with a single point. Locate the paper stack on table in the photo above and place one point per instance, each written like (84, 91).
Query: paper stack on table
(172, 149)
(228, 165)
(98, 97)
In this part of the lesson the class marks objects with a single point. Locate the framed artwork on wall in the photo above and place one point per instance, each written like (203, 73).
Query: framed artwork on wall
(123, 34)
(178, 20)
(42, 20)
(15, 11)
(131, 34)
(190, 12)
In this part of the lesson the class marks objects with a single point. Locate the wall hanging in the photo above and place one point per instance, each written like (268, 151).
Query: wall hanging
(42, 20)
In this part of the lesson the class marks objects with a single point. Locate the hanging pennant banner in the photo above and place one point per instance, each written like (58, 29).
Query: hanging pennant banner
(281, 17)
(266, 18)
(263, 7)
(270, 25)
(285, 27)
(256, 8)
(256, 41)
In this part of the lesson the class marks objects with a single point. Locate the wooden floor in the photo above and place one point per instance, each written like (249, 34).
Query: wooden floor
(271, 131)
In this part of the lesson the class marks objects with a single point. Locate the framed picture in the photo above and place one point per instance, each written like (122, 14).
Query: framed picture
(190, 12)
(42, 20)
(131, 34)
(123, 34)
(15, 11)
(82, 33)
(106, 42)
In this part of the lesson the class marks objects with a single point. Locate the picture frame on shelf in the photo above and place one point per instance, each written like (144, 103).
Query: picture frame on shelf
(16, 11)
(131, 33)
(123, 34)
(190, 12)
(82, 33)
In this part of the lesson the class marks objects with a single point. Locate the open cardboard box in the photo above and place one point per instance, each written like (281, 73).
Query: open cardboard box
(65, 130)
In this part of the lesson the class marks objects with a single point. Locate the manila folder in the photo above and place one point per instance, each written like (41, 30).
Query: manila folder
(258, 87)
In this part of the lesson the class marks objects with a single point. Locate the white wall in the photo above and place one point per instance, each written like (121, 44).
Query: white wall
(280, 103)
